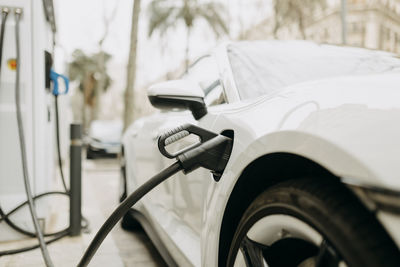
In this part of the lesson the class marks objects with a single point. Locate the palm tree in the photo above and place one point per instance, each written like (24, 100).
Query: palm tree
(86, 70)
(131, 70)
(289, 12)
(164, 14)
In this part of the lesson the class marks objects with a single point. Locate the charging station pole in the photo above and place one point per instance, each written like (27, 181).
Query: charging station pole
(75, 202)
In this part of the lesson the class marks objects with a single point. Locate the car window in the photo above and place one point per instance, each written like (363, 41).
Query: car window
(214, 94)
(204, 71)
(265, 67)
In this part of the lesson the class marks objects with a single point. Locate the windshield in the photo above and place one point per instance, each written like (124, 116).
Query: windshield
(264, 67)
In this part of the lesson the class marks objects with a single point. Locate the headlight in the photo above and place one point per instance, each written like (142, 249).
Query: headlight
(375, 198)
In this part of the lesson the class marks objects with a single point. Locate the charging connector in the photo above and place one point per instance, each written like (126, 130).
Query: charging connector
(212, 153)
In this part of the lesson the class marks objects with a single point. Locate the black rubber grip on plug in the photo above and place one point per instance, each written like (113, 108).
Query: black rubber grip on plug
(212, 155)
(180, 132)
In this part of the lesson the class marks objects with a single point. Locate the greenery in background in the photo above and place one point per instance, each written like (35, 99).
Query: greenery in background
(91, 73)
(295, 12)
(86, 70)
(165, 14)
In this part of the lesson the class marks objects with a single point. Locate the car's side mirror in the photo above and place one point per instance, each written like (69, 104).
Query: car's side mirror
(178, 94)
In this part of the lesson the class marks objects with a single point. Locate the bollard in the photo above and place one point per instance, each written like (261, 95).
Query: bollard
(75, 200)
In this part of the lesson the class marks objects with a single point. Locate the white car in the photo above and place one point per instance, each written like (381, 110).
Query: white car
(104, 139)
(314, 174)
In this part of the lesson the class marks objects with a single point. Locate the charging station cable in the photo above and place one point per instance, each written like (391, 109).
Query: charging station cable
(5, 216)
(60, 166)
(212, 152)
(4, 15)
(31, 204)
(56, 92)
(55, 236)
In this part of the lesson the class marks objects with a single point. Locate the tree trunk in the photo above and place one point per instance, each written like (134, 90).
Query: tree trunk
(187, 49)
(301, 28)
(301, 23)
(276, 28)
(131, 71)
(99, 87)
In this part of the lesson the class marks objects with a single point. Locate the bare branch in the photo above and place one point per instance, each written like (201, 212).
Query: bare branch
(107, 21)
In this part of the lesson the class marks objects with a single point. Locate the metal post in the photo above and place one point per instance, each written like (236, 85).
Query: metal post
(343, 18)
(75, 202)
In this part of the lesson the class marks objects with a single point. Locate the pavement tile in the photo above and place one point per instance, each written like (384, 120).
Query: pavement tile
(100, 196)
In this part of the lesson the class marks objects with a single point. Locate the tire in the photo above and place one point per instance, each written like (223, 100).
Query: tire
(123, 189)
(129, 223)
(328, 226)
(90, 154)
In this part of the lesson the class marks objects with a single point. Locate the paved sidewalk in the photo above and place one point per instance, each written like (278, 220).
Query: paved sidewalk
(100, 196)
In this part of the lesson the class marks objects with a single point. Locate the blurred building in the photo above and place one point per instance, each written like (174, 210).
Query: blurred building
(370, 23)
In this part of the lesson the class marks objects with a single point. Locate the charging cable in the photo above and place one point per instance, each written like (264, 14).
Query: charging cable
(5, 216)
(56, 92)
(4, 15)
(211, 152)
(31, 204)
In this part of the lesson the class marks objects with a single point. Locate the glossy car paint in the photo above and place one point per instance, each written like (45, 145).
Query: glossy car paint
(105, 136)
(324, 128)
(345, 124)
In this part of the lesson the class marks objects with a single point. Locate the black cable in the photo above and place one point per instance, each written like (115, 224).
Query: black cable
(4, 13)
(4, 216)
(20, 250)
(21, 230)
(60, 166)
(43, 247)
(124, 207)
(34, 198)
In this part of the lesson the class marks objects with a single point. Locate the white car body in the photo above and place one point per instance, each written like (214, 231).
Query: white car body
(348, 125)
(105, 137)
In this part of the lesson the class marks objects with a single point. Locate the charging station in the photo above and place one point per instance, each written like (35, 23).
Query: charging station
(27, 87)
(37, 28)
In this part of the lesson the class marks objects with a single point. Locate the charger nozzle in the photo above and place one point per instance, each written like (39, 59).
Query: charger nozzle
(212, 152)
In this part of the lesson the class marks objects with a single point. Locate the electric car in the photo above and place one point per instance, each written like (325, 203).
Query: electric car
(104, 139)
(313, 175)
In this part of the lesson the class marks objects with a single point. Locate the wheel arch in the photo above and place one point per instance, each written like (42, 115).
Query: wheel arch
(279, 166)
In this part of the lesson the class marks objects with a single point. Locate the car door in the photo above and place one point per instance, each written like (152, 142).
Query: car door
(175, 206)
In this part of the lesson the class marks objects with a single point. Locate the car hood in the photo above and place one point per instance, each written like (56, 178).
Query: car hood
(106, 131)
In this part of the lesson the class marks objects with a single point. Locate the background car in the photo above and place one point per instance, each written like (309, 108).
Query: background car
(104, 139)
(312, 179)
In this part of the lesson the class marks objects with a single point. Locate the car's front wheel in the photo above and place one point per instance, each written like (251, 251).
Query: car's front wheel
(310, 222)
